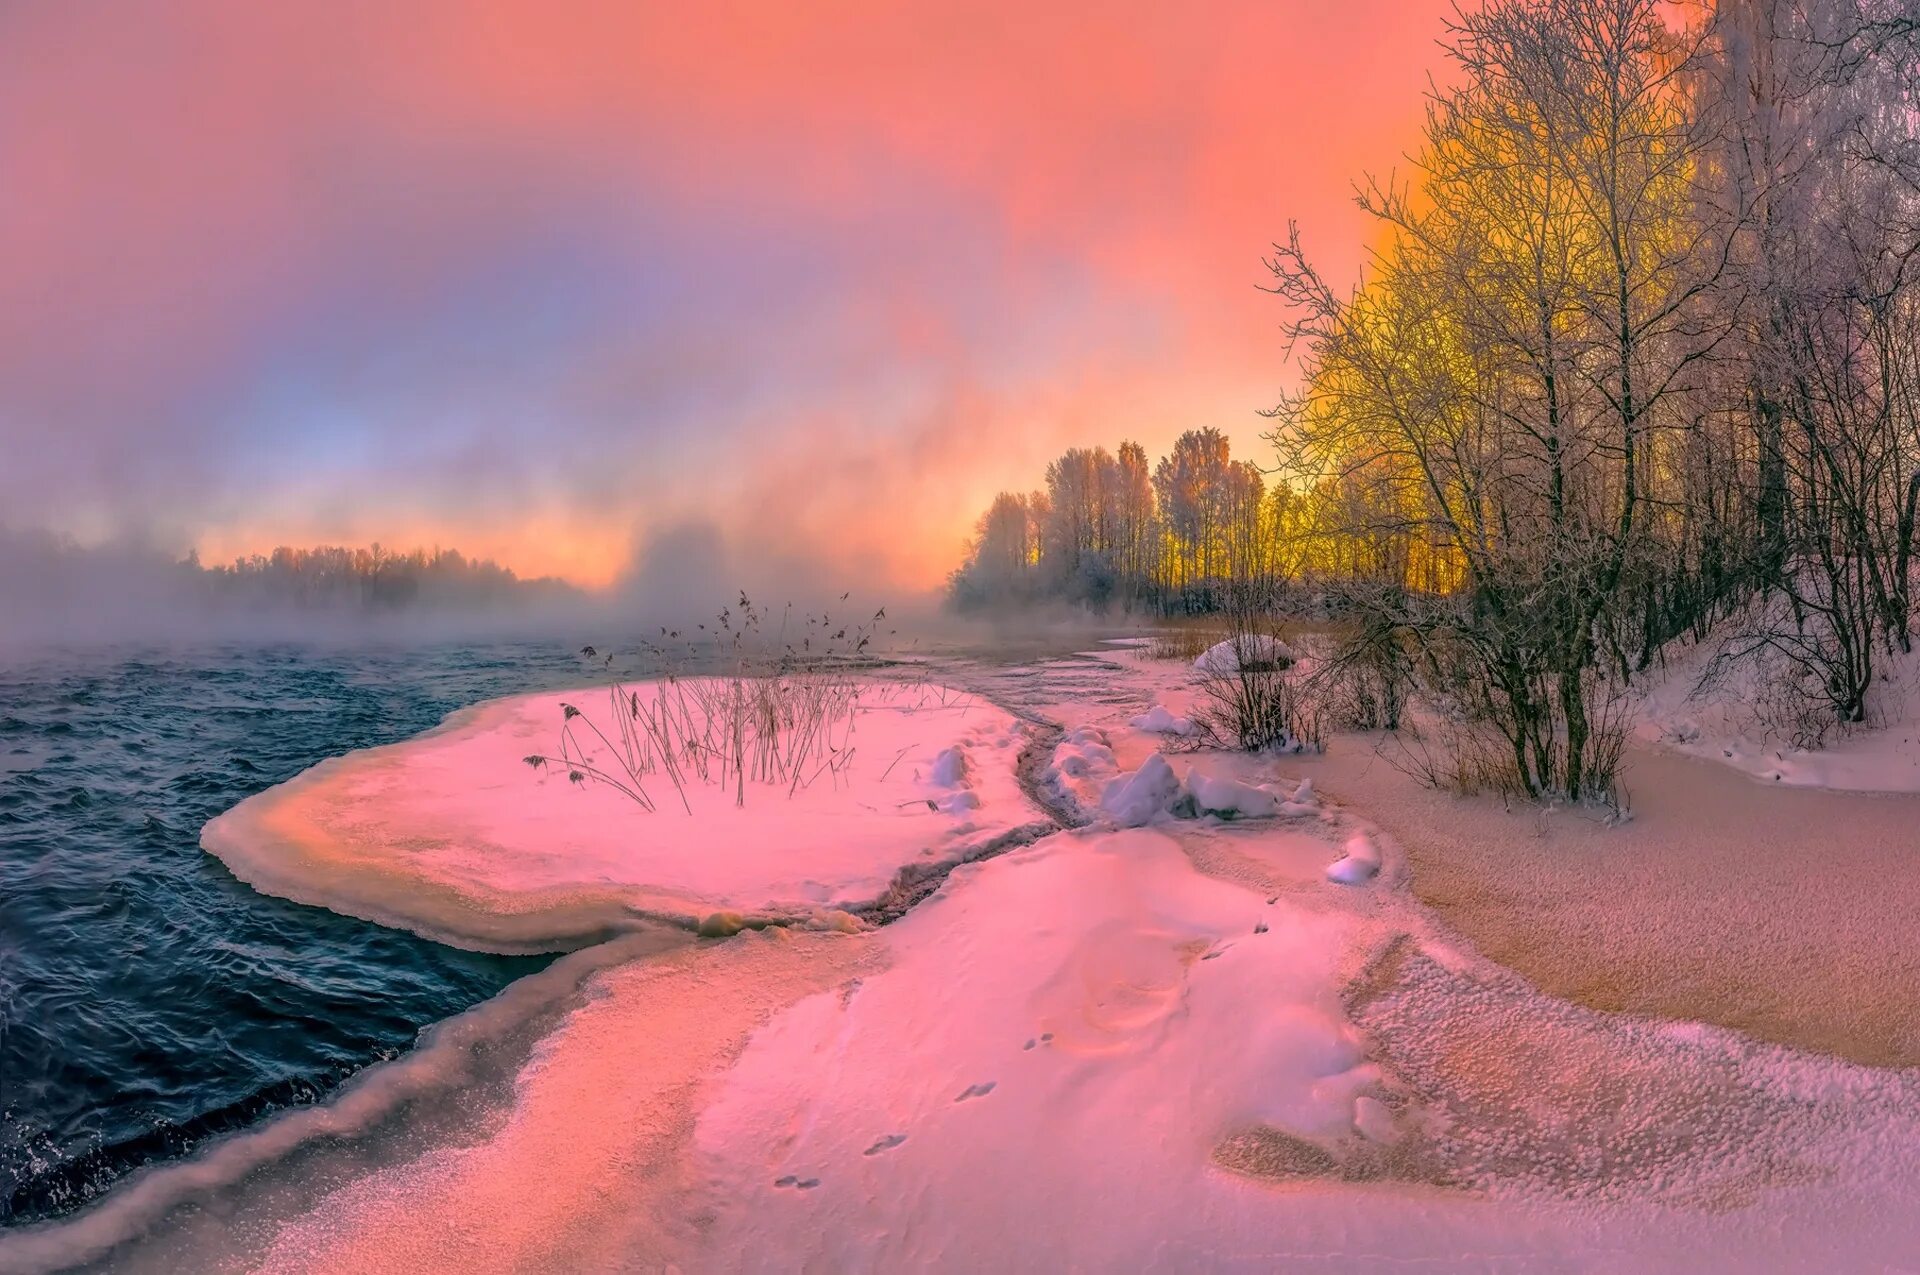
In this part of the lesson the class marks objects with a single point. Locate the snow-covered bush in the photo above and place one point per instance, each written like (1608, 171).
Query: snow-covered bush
(1248, 700)
(1251, 650)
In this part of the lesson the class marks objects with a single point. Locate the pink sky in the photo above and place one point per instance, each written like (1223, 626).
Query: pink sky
(539, 280)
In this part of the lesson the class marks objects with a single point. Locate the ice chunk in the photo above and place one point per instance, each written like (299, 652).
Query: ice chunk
(1224, 795)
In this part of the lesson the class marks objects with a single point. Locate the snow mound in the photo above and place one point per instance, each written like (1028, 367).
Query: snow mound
(1158, 720)
(1223, 658)
(453, 835)
(1360, 863)
(950, 767)
(1157, 791)
(1081, 768)
(1225, 795)
(1139, 797)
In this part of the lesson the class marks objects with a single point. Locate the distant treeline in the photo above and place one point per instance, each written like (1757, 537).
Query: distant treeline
(55, 589)
(336, 578)
(1111, 529)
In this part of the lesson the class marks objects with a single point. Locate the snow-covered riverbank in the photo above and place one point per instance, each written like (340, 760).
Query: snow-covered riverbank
(455, 836)
(1166, 1040)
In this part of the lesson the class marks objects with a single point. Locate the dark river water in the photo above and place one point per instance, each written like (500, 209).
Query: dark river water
(149, 1000)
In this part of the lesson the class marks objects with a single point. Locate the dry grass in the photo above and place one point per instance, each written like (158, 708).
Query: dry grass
(1186, 639)
(779, 712)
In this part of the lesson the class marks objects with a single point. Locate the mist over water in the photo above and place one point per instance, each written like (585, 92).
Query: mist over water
(58, 594)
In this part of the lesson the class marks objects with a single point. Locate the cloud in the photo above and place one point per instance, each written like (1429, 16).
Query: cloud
(514, 277)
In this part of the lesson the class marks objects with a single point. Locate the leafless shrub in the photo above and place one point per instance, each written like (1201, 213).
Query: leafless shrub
(1791, 710)
(1249, 698)
(1495, 717)
(1365, 679)
(1458, 752)
(1452, 755)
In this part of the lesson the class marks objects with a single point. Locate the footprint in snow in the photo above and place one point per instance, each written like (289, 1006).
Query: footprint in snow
(980, 1090)
(1044, 1038)
(887, 1143)
(1260, 927)
(794, 1180)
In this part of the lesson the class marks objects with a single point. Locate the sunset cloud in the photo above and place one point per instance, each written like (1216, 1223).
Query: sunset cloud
(532, 280)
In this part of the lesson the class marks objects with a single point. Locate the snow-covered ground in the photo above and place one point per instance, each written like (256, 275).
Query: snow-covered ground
(1210, 1029)
(454, 835)
(1736, 717)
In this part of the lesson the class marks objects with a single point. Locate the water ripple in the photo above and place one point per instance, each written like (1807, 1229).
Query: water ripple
(147, 999)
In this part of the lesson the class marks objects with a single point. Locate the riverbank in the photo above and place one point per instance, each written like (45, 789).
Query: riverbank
(1229, 1023)
(1789, 914)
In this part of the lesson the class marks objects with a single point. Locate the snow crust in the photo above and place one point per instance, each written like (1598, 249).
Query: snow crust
(453, 835)
(1103, 1008)
(1092, 1055)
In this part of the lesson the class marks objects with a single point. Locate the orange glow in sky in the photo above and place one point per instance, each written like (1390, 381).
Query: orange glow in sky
(537, 281)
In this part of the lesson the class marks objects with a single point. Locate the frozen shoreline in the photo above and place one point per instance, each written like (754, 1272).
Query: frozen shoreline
(454, 836)
(1177, 1047)
(1786, 913)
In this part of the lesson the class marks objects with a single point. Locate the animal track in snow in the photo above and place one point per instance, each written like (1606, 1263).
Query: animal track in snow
(980, 1090)
(887, 1143)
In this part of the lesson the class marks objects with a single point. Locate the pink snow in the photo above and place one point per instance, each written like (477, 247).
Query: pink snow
(454, 835)
(1175, 1047)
